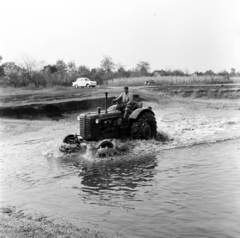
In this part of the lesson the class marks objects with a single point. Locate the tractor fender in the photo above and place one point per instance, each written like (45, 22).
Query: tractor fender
(138, 111)
(112, 108)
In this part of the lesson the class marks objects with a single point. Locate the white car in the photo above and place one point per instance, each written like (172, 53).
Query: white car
(84, 82)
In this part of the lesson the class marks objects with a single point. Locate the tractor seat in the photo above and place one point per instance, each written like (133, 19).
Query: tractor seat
(137, 105)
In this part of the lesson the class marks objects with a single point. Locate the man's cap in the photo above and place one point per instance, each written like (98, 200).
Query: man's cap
(125, 87)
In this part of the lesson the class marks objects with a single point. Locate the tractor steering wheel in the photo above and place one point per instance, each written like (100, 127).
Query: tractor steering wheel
(116, 102)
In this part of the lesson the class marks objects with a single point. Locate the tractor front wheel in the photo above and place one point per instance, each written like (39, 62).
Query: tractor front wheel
(145, 127)
(106, 144)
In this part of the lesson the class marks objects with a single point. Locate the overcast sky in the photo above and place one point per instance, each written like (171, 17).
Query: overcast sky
(169, 34)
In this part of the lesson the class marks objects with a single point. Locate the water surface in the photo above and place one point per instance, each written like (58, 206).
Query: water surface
(186, 187)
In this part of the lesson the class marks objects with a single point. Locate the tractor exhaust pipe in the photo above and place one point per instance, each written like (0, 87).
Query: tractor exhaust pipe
(106, 98)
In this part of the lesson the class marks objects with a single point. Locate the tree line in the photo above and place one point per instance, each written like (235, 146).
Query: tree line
(39, 74)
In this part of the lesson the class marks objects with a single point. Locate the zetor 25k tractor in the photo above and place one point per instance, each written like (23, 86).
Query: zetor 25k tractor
(109, 123)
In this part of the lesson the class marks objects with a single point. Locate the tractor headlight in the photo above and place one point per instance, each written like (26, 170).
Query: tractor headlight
(119, 121)
(97, 121)
(78, 118)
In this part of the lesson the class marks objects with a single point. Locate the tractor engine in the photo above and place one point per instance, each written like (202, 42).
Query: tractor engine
(99, 125)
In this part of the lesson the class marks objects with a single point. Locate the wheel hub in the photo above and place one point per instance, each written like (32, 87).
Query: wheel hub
(146, 131)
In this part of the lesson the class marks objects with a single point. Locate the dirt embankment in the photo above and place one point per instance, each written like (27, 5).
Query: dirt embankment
(50, 109)
(50, 104)
(54, 104)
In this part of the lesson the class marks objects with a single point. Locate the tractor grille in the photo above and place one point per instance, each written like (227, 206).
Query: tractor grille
(90, 130)
(87, 125)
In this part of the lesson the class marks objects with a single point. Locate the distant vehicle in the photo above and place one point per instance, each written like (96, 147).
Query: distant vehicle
(84, 82)
(148, 82)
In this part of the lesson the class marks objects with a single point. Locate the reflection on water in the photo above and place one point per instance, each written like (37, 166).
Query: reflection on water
(116, 180)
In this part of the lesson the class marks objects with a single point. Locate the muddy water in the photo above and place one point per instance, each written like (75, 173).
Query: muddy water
(185, 187)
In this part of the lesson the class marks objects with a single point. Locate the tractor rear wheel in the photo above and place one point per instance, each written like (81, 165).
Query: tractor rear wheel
(145, 127)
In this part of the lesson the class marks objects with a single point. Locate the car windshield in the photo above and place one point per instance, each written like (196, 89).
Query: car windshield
(82, 79)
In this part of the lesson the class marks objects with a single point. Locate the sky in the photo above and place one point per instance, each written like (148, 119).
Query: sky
(190, 35)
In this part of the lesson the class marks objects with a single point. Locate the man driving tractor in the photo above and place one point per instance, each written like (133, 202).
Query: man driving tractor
(127, 102)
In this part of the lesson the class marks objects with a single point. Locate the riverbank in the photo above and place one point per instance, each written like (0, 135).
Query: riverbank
(53, 103)
(16, 223)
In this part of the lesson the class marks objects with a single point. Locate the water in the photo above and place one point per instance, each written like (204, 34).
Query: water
(186, 187)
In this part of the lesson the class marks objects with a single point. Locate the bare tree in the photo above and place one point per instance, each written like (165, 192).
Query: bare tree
(30, 65)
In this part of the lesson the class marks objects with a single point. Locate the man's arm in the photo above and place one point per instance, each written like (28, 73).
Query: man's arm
(119, 97)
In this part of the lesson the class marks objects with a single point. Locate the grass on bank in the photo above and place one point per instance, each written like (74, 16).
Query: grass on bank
(25, 90)
(235, 80)
(173, 80)
(6, 91)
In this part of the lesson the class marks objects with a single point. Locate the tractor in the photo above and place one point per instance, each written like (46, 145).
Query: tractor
(109, 123)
